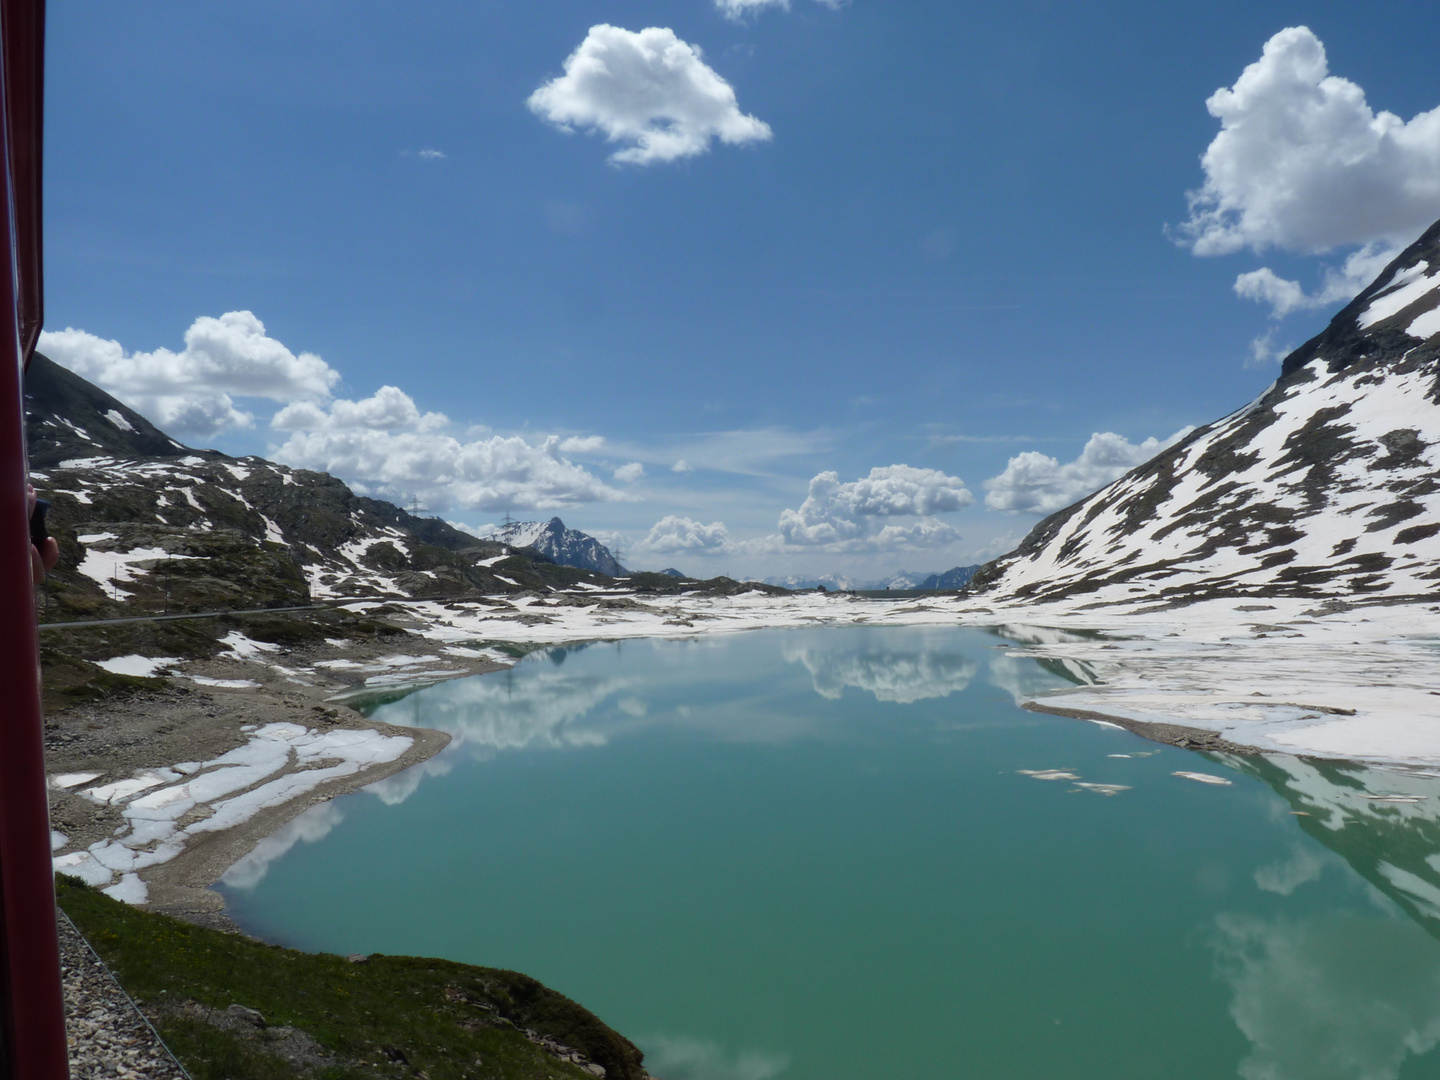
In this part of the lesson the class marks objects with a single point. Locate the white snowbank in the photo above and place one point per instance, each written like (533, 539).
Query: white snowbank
(279, 763)
(142, 666)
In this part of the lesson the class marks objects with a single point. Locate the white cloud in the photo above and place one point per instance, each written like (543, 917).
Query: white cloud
(630, 473)
(649, 90)
(738, 9)
(681, 534)
(388, 409)
(192, 392)
(1337, 285)
(385, 446)
(582, 444)
(1264, 351)
(1037, 483)
(433, 155)
(844, 516)
(681, 466)
(1302, 162)
(833, 511)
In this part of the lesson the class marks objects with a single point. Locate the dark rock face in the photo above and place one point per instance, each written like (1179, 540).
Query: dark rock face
(1328, 485)
(69, 418)
(568, 547)
(956, 578)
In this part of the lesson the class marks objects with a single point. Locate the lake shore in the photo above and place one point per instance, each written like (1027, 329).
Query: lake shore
(154, 796)
(1289, 676)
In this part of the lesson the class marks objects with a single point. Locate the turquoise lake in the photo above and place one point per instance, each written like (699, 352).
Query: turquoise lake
(827, 853)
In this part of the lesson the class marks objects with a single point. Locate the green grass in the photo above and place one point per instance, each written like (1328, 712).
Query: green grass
(388, 1017)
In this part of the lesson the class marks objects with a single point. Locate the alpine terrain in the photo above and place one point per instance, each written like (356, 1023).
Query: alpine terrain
(1326, 486)
(146, 523)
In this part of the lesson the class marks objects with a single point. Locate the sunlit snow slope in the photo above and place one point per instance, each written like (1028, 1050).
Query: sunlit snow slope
(1327, 486)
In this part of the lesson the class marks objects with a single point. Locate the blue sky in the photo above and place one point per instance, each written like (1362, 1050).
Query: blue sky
(920, 246)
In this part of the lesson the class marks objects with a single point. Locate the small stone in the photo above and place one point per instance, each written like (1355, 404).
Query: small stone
(250, 1016)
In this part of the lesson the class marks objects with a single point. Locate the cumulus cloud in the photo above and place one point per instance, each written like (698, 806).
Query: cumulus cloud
(1303, 163)
(582, 444)
(845, 516)
(648, 90)
(1037, 483)
(738, 9)
(681, 466)
(833, 511)
(1338, 283)
(389, 408)
(385, 446)
(629, 473)
(682, 534)
(192, 392)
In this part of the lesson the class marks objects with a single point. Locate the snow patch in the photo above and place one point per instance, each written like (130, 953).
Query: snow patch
(141, 666)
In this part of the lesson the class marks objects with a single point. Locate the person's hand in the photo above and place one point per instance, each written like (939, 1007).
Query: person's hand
(44, 558)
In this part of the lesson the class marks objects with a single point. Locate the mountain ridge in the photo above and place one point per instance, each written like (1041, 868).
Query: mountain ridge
(1324, 486)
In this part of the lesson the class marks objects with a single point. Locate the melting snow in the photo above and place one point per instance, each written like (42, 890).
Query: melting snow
(244, 648)
(233, 787)
(142, 666)
(119, 421)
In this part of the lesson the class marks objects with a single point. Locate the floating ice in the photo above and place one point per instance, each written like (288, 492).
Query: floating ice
(1203, 778)
(1049, 774)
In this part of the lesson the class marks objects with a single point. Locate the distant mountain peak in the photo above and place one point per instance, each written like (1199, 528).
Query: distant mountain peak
(568, 547)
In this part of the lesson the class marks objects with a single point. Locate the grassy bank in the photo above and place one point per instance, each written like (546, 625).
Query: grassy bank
(333, 1019)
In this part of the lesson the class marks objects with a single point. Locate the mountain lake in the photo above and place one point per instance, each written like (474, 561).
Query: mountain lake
(846, 853)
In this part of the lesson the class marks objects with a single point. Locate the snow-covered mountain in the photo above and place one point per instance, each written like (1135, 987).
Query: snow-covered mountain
(147, 524)
(1326, 486)
(568, 547)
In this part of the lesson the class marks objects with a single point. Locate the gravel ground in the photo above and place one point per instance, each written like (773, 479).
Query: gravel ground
(108, 1036)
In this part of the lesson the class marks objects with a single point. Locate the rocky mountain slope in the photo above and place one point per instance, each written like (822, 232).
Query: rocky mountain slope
(568, 547)
(955, 578)
(146, 524)
(1326, 486)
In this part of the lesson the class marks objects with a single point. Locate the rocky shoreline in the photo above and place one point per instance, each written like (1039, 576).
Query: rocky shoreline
(212, 719)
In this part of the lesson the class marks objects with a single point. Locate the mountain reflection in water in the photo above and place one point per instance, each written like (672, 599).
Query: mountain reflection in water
(1315, 916)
